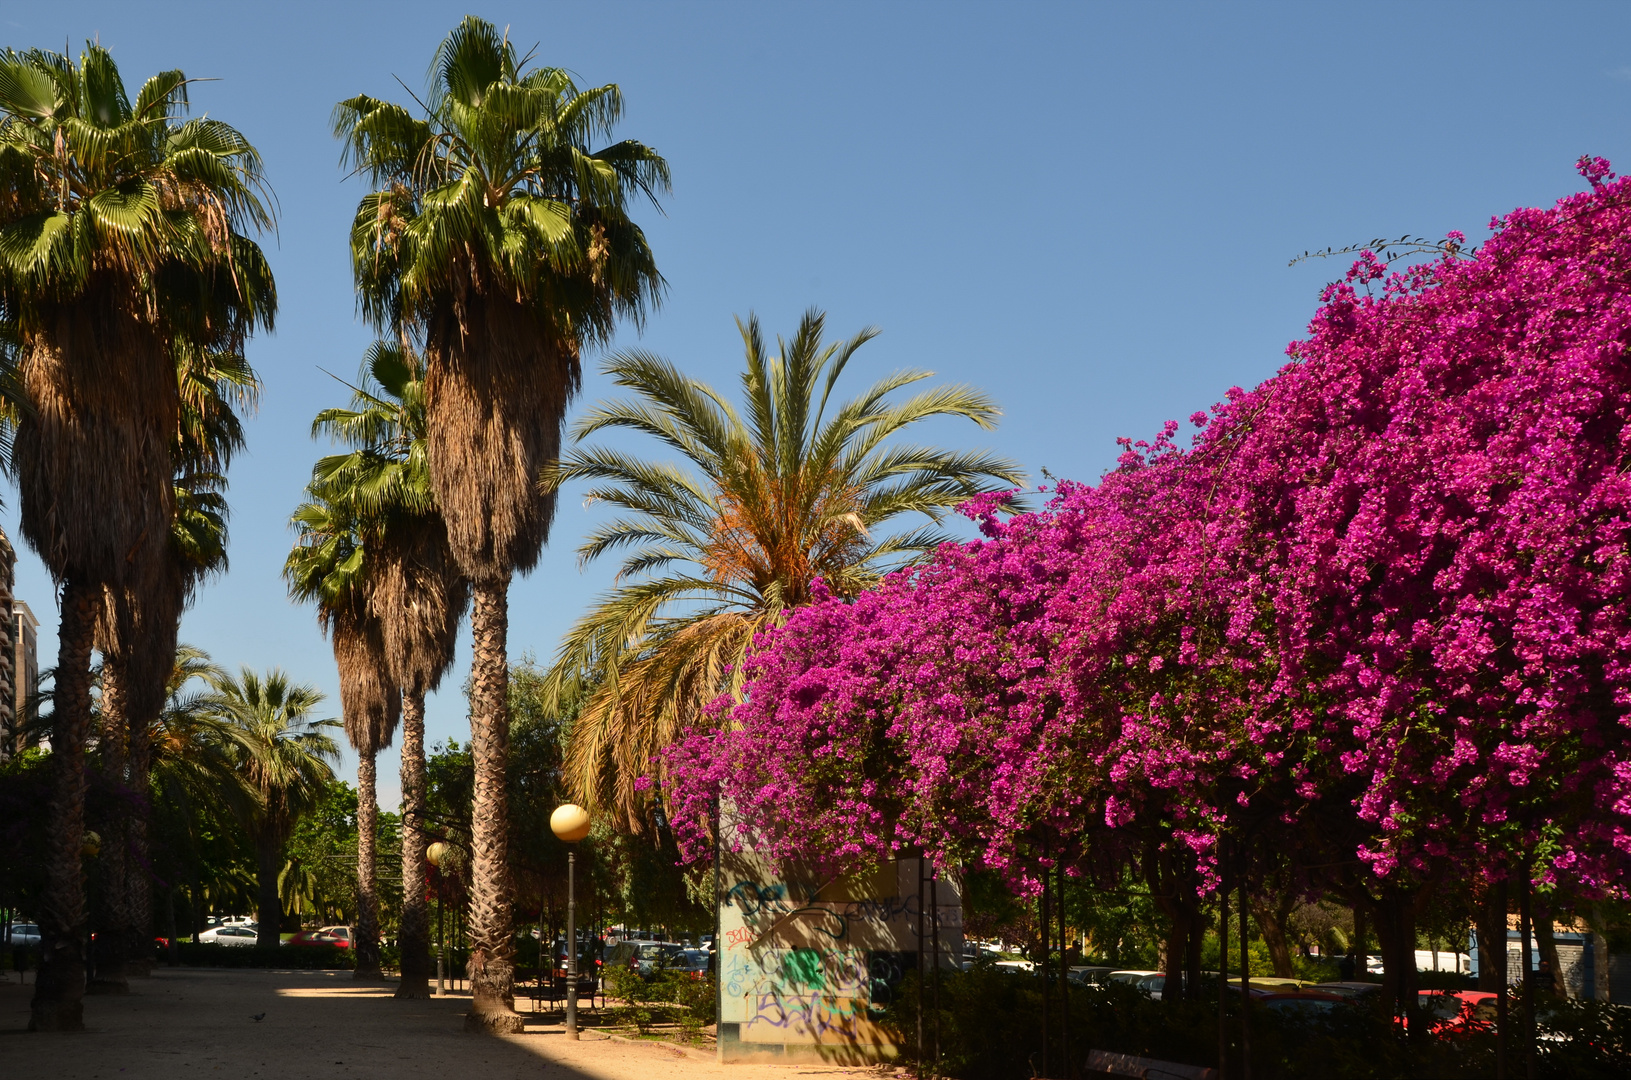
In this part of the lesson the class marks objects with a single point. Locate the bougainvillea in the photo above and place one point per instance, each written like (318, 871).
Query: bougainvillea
(1387, 588)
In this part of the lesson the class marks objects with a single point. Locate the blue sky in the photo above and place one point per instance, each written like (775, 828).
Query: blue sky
(1086, 209)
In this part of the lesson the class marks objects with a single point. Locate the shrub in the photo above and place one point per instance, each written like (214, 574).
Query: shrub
(300, 957)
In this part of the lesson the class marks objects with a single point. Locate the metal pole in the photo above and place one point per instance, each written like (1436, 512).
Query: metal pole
(1047, 984)
(934, 907)
(1527, 927)
(571, 944)
(441, 942)
(1064, 979)
(1223, 961)
(920, 969)
(1245, 985)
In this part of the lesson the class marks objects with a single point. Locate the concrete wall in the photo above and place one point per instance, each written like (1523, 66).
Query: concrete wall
(808, 961)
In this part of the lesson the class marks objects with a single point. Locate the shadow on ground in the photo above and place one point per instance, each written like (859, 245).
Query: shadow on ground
(196, 1023)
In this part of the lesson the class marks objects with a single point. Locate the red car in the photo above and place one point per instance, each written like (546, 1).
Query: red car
(324, 936)
(1449, 1009)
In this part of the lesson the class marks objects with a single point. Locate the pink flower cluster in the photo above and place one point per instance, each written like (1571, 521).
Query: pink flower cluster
(1377, 609)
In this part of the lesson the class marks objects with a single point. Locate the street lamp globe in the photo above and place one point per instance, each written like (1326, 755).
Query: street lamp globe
(569, 822)
(435, 854)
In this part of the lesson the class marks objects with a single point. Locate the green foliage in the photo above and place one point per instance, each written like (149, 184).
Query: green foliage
(663, 997)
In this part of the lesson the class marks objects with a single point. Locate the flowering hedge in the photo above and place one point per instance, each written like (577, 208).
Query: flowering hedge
(1379, 603)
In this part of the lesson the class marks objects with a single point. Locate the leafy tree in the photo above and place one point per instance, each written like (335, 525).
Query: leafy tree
(792, 488)
(503, 240)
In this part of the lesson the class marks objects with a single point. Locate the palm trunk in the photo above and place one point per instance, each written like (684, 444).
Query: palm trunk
(138, 867)
(112, 941)
(269, 909)
(492, 961)
(59, 988)
(367, 943)
(413, 934)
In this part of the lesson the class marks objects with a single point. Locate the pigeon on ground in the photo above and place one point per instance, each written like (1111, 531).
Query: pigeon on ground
(258, 1017)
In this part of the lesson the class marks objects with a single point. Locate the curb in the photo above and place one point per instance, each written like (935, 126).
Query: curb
(688, 1051)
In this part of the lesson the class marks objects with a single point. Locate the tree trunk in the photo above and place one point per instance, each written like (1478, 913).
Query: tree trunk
(59, 988)
(1396, 930)
(492, 961)
(1491, 922)
(367, 943)
(138, 868)
(113, 929)
(1272, 920)
(413, 934)
(269, 907)
(1547, 944)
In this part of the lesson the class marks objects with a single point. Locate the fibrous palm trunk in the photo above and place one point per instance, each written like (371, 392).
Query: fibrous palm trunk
(113, 929)
(492, 962)
(367, 943)
(269, 906)
(58, 1003)
(413, 934)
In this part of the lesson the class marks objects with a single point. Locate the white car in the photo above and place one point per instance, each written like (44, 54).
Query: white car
(230, 935)
(25, 936)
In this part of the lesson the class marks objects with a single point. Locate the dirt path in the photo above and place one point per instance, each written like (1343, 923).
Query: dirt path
(194, 1024)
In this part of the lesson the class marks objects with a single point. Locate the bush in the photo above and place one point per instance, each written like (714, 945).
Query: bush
(662, 997)
(989, 1024)
(299, 957)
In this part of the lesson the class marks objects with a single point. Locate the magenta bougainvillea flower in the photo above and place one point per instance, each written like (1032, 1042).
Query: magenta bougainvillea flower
(1376, 608)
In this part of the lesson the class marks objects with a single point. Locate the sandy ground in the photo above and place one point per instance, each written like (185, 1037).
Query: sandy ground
(195, 1023)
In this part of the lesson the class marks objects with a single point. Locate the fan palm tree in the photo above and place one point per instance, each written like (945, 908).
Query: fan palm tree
(329, 565)
(284, 759)
(116, 217)
(191, 767)
(415, 589)
(503, 239)
(136, 633)
(792, 488)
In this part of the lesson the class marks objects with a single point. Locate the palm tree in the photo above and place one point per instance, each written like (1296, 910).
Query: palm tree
(116, 218)
(190, 767)
(415, 589)
(790, 489)
(284, 758)
(329, 565)
(136, 634)
(502, 240)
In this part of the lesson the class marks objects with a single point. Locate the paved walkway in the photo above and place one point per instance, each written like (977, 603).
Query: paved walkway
(194, 1024)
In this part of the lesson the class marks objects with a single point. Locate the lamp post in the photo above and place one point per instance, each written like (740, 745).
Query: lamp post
(435, 853)
(571, 824)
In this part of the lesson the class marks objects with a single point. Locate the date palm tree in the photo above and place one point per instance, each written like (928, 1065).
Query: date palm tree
(284, 758)
(791, 488)
(116, 216)
(330, 566)
(415, 589)
(504, 241)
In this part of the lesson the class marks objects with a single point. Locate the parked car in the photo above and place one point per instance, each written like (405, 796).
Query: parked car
(1089, 975)
(1353, 991)
(1448, 1009)
(642, 956)
(340, 934)
(1021, 967)
(241, 936)
(1131, 977)
(314, 937)
(694, 962)
(1303, 1004)
(25, 936)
